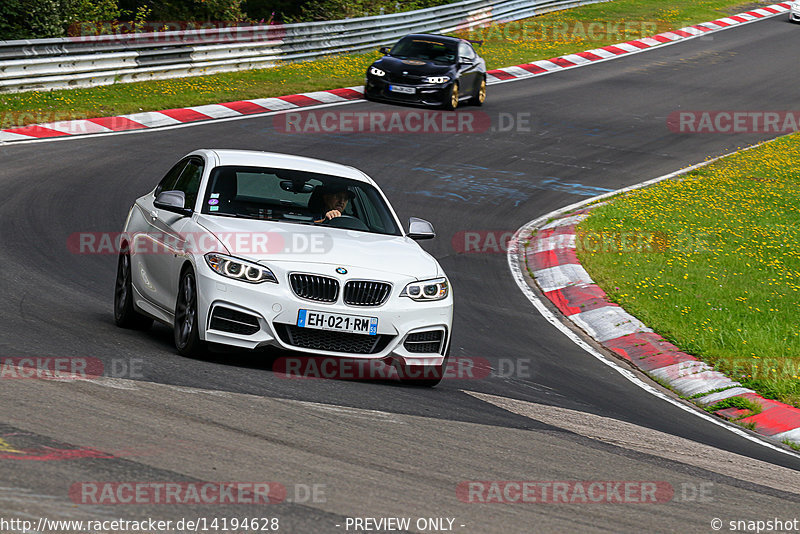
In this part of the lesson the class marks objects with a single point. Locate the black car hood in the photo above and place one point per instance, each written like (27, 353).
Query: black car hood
(414, 67)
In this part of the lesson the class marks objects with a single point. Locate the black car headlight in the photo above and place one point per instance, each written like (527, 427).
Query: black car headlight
(237, 269)
(375, 71)
(437, 79)
(436, 289)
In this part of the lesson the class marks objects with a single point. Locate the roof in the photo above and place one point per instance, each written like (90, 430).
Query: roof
(255, 158)
(435, 36)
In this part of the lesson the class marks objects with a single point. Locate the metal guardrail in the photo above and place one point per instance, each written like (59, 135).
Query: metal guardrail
(69, 62)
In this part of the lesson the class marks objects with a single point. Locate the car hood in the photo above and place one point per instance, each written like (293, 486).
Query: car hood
(271, 242)
(414, 67)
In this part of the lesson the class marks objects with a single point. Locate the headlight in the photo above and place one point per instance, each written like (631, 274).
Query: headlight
(237, 269)
(437, 79)
(427, 290)
(375, 71)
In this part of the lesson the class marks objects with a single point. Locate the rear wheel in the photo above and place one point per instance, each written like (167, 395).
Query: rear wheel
(187, 333)
(480, 95)
(451, 102)
(125, 315)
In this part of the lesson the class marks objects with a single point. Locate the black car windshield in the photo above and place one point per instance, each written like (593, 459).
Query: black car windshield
(428, 49)
(288, 195)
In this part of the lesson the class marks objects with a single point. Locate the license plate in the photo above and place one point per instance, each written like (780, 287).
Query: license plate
(338, 322)
(402, 89)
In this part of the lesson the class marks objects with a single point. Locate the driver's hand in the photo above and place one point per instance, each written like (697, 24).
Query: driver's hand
(333, 214)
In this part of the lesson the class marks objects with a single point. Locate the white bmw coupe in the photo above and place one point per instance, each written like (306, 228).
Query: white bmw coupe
(256, 249)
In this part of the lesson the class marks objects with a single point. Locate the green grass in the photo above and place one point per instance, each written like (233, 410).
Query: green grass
(712, 262)
(544, 37)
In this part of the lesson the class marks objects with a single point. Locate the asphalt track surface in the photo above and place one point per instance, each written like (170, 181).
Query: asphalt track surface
(379, 449)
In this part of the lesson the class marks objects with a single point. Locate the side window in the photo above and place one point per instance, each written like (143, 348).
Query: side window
(189, 181)
(465, 51)
(168, 182)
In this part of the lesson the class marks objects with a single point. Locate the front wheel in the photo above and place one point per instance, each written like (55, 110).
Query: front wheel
(187, 334)
(423, 375)
(451, 102)
(125, 315)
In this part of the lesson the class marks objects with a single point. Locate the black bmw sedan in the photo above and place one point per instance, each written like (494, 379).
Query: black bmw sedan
(432, 70)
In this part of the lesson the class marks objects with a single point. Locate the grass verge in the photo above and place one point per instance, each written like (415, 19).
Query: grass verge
(711, 261)
(508, 44)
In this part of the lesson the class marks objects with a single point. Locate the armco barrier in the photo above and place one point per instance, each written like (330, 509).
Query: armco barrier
(68, 62)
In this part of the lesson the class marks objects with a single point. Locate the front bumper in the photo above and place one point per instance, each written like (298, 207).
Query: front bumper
(261, 315)
(425, 94)
(794, 13)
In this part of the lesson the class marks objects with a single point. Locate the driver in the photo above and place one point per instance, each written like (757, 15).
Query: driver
(334, 201)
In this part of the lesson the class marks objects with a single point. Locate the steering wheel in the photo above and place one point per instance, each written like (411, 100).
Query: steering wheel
(346, 221)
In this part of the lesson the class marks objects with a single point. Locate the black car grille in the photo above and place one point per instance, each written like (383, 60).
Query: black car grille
(235, 322)
(344, 342)
(313, 287)
(430, 341)
(405, 78)
(366, 293)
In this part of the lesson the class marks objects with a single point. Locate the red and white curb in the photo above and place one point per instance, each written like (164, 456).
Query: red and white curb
(538, 68)
(550, 258)
(172, 117)
(243, 108)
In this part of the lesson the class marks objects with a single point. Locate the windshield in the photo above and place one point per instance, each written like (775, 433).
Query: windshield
(429, 49)
(288, 195)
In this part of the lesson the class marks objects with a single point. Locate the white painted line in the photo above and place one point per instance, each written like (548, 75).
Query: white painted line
(561, 276)
(547, 65)
(273, 104)
(627, 47)
(605, 54)
(565, 221)
(714, 398)
(516, 71)
(76, 127)
(791, 435)
(608, 322)
(693, 31)
(152, 119)
(555, 242)
(712, 380)
(325, 96)
(215, 111)
(10, 136)
(575, 58)
(650, 41)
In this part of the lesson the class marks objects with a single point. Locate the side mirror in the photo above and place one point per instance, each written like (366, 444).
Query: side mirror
(384, 50)
(420, 229)
(172, 201)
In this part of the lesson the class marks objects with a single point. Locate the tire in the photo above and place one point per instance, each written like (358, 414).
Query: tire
(480, 94)
(451, 102)
(426, 376)
(186, 331)
(125, 316)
